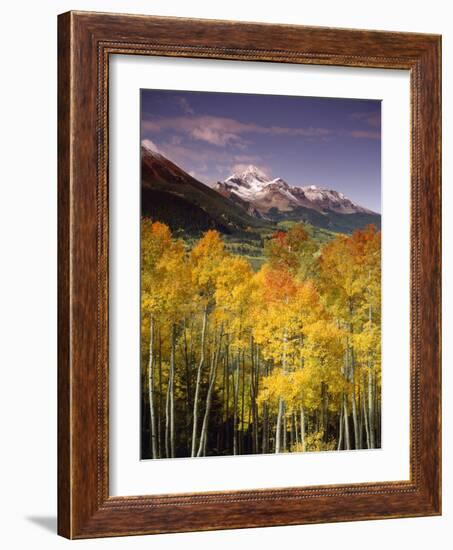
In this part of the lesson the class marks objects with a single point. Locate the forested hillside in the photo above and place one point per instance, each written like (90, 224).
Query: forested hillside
(283, 359)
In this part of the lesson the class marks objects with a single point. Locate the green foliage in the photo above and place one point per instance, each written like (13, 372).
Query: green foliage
(331, 221)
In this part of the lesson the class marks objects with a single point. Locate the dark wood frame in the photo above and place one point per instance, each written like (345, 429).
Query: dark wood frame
(85, 41)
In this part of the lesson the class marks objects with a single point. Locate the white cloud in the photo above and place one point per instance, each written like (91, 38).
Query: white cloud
(223, 131)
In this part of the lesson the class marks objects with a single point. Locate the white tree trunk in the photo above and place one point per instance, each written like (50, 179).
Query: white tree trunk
(197, 385)
(151, 389)
(278, 431)
(285, 431)
(340, 434)
(296, 428)
(371, 408)
(235, 405)
(357, 443)
(265, 438)
(346, 424)
(302, 428)
(371, 422)
(167, 419)
(365, 414)
(172, 391)
(212, 376)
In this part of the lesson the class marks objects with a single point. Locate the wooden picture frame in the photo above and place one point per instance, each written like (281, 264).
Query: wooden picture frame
(85, 41)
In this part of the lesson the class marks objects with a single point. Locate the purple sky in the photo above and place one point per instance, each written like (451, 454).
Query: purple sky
(333, 143)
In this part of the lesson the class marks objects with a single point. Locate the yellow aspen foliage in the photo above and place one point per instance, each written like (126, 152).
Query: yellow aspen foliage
(283, 359)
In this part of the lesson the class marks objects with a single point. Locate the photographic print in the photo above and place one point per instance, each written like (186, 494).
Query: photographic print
(260, 274)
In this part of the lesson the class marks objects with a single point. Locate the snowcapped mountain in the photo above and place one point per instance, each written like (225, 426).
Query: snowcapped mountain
(335, 201)
(262, 194)
(245, 203)
(171, 195)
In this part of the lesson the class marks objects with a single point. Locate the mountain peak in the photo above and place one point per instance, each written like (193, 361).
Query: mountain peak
(253, 170)
(330, 199)
(150, 147)
(255, 201)
(250, 176)
(263, 193)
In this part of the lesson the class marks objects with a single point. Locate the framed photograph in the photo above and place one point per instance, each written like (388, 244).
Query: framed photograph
(249, 275)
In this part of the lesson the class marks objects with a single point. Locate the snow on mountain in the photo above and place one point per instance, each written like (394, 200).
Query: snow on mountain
(251, 183)
(159, 168)
(151, 147)
(263, 193)
(258, 190)
(251, 176)
(335, 201)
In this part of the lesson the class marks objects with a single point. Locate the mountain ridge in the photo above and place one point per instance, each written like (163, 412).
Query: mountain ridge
(173, 196)
(264, 193)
